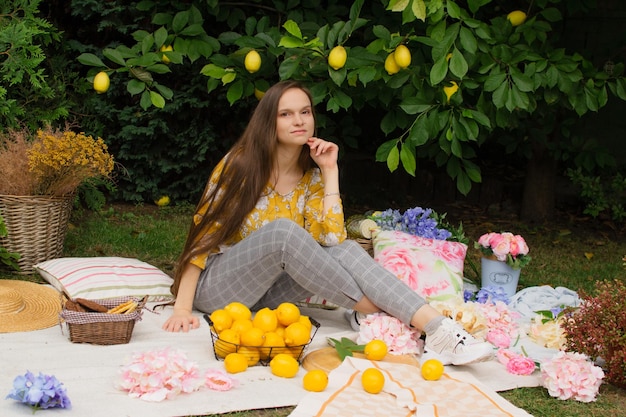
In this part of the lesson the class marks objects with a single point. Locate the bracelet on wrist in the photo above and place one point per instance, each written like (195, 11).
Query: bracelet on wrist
(330, 194)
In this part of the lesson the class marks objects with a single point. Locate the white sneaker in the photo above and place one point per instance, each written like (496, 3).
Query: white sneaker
(354, 318)
(451, 344)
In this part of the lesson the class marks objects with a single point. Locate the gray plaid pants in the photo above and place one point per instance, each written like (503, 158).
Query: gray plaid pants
(282, 262)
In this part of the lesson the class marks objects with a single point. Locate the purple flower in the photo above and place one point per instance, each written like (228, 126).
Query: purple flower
(415, 221)
(468, 295)
(491, 294)
(40, 392)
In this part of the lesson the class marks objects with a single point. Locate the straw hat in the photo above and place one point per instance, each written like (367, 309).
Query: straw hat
(26, 306)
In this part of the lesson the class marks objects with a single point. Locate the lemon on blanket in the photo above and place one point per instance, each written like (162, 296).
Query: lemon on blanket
(252, 337)
(375, 350)
(284, 365)
(316, 380)
(372, 380)
(235, 362)
(432, 369)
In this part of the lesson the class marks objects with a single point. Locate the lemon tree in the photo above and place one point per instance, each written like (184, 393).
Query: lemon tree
(478, 75)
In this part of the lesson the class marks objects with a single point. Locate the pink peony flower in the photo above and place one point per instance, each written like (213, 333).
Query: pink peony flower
(162, 374)
(520, 365)
(505, 247)
(400, 338)
(515, 363)
(571, 375)
(498, 338)
(217, 380)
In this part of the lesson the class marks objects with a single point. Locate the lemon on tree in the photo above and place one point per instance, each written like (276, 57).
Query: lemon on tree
(252, 61)
(390, 64)
(375, 350)
(315, 380)
(402, 56)
(516, 17)
(284, 365)
(432, 369)
(372, 380)
(235, 362)
(101, 82)
(337, 57)
(450, 90)
(166, 48)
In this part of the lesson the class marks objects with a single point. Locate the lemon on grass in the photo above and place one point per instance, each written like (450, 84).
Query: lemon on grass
(284, 365)
(316, 380)
(221, 320)
(226, 343)
(516, 17)
(287, 313)
(238, 310)
(337, 57)
(375, 350)
(101, 82)
(372, 380)
(432, 369)
(252, 61)
(402, 56)
(265, 319)
(252, 337)
(235, 362)
(297, 334)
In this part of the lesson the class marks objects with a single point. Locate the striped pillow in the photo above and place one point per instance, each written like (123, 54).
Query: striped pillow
(106, 277)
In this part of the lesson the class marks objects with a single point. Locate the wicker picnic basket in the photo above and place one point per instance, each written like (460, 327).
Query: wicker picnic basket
(36, 227)
(102, 328)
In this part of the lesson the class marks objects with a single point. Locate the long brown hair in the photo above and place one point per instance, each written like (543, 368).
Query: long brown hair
(245, 174)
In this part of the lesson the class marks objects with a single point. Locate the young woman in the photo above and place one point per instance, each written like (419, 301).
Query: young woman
(269, 228)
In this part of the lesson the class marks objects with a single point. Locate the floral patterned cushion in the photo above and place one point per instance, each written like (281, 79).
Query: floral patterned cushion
(432, 268)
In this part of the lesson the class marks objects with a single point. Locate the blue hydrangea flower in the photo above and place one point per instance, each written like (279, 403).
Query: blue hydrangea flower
(468, 295)
(415, 221)
(39, 392)
(491, 294)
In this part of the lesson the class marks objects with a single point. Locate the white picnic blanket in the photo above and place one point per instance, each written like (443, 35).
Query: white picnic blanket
(89, 372)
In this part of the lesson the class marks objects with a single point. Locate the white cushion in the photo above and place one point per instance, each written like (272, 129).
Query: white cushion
(106, 277)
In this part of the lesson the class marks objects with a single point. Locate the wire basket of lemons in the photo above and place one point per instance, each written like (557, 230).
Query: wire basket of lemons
(262, 335)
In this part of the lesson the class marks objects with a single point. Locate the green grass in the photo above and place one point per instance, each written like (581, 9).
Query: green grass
(573, 253)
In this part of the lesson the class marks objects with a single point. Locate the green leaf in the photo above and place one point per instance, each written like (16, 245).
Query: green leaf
(192, 30)
(235, 91)
(288, 67)
(439, 71)
(393, 159)
(419, 9)
(408, 159)
(135, 86)
(493, 81)
(145, 100)
(212, 70)
(90, 59)
(160, 35)
(458, 64)
(383, 150)
(293, 29)
(157, 99)
(180, 21)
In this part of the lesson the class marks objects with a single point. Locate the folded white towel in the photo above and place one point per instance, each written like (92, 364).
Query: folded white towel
(532, 299)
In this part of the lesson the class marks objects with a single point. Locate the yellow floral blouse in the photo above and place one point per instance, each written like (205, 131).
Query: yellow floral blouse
(304, 205)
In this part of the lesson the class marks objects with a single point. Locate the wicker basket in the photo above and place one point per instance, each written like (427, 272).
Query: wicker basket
(266, 353)
(366, 244)
(102, 328)
(36, 227)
